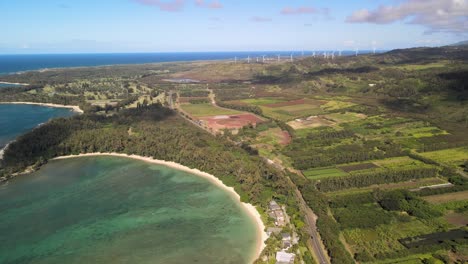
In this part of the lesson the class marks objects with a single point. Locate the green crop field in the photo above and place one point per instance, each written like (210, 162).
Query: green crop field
(200, 110)
(384, 238)
(262, 101)
(336, 105)
(398, 162)
(345, 117)
(454, 156)
(290, 112)
(321, 173)
(425, 132)
(412, 259)
(407, 185)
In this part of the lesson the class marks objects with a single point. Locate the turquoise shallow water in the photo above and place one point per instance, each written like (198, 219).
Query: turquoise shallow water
(118, 210)
(18, 119)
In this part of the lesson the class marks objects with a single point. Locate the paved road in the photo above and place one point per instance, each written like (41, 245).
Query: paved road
(315, 242)
(311, 220)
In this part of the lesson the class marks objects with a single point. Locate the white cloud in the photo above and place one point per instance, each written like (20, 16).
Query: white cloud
(450, 16)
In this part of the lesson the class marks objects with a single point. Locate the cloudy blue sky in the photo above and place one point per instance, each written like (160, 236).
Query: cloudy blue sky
(70, 26)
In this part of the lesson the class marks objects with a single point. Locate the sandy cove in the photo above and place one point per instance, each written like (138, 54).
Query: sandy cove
(73, 107)
(249, 208)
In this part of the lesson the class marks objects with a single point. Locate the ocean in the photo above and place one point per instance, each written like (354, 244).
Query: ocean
(20, 63)
(117, 210)
(16, 119)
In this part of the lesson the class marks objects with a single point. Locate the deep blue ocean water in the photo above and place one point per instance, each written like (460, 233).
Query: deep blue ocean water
(19, 63)
(19, 119)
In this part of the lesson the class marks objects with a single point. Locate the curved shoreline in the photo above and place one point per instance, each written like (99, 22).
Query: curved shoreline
(20, 84)
(75, 108)
(249, 208)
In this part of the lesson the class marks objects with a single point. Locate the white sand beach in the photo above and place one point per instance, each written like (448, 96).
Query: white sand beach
(73, 107)
(249, 208)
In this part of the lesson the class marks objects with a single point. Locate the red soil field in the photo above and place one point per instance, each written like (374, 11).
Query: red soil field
(286, 138)
(217, 123)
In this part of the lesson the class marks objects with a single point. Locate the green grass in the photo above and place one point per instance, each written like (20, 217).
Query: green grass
(390, 186)
(199, 110)
(453, 157)
(345, 117)
(416, 67)
(322, 173)
(262, 101)
(384, 238)
(271, 136)
(336, 105)
(421, 132)
(412, 259)
(398, 163)
(291, 112)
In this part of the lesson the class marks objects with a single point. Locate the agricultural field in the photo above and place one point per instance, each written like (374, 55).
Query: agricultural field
(374, 166)
(207, 109)
(274, 136)
(453, 157)
(406, 185)
(289, 110)
(262, 101)
(447, 197)
(229, 121)
(384, 239)
(334, 105)
(310, 122)
(345, 117)
(321, 173)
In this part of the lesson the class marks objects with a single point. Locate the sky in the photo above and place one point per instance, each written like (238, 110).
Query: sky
(110, 26)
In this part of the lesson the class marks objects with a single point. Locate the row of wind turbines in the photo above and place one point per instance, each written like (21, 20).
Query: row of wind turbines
(324, 54)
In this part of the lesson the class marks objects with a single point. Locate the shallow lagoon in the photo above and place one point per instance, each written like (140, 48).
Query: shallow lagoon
(118, 210)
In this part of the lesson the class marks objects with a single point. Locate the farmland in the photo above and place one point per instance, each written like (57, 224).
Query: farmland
(206, 109)
(286, 111)
(376, 144)
(453, 157)
(321, 173)
(444, 198)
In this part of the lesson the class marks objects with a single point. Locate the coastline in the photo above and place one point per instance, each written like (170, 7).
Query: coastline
(22, 84)
(249, 208)
(75, 108)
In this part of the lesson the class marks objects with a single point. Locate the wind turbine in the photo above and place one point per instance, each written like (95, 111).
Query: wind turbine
(263, 58)
(313, 54)
(357, 51)
(291, 57)
(257, 59)
(248, 59)
(279, 58)
(374, 49)
(333, 55)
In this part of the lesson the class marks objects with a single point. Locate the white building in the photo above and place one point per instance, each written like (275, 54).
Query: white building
(284, 258)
